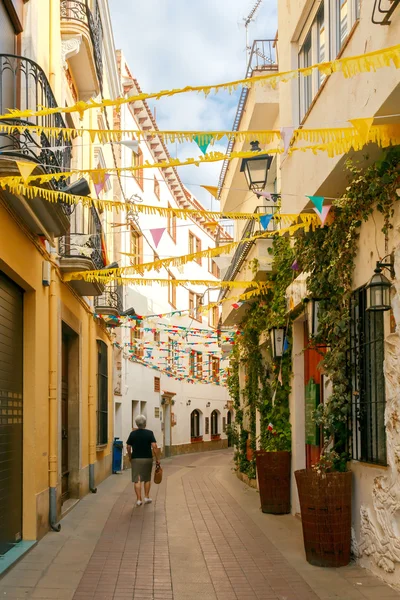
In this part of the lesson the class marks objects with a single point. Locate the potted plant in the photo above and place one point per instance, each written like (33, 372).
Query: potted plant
(274, 457)
(325, 504)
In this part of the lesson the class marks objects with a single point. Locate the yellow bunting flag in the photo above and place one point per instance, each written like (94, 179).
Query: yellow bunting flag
(363, 127)
(212, 189)
(307, 220)
(103, 279)
(102, 174)
(349, 66)
(58, 196)
(26, 169)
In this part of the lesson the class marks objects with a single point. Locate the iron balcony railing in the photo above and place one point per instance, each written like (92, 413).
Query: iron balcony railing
(263, 57)
(72, 10)
(252, 228)
(84, 238)
(111, 298)
(24, 85)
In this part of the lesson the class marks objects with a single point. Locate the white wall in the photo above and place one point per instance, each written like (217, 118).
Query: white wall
(137, 379)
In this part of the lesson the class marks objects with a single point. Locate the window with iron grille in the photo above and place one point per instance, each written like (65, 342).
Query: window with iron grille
(102, 393)
(157, 384)
(366, 356)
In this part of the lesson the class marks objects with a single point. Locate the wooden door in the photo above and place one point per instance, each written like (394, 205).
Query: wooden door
(11, 413)
(64, 419)
(312, 358)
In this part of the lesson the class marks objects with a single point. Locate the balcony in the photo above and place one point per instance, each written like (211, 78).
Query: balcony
(82, 41)
(111, 300)
(263, 58)
(252, 261)
(24, 85)
(82, 249)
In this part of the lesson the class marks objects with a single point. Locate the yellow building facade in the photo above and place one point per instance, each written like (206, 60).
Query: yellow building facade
(56, 358)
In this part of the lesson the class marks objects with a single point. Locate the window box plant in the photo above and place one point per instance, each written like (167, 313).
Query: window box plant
(215, 437)
(199, 438)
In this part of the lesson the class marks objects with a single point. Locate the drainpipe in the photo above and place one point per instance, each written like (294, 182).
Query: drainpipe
(51, 49)
(53, 404)
(92, 410)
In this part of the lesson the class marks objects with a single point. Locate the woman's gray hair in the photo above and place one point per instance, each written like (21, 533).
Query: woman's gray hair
(141, 421)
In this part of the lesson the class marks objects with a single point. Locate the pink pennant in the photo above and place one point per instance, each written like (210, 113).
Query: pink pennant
(157, 235)
(323, 213)
(100, 182)
(267, 195)
(286, 134)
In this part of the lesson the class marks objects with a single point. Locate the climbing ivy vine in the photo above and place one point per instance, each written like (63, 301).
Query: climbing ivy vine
(266, 381)
(328, 255)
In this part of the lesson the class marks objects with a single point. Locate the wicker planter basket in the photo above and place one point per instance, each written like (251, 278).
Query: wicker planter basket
(273, 471)
(325, 502)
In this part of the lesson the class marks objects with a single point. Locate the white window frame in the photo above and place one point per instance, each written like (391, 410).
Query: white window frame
(333, 44)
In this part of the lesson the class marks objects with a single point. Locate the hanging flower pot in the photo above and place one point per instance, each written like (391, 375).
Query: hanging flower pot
(273, 472)
(325, 503)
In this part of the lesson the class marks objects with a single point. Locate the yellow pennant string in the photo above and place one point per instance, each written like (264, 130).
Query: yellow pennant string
(56, 196)
(306, 221)
(99, 174)
(354, 134)
(349, 66)
(103, 279)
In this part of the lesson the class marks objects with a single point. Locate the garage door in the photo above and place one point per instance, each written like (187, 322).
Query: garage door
(11, 310)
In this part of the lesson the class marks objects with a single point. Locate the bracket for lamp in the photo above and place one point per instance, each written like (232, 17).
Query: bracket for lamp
(380, 264)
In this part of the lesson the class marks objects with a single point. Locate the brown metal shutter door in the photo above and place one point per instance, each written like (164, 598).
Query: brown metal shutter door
(11, 365)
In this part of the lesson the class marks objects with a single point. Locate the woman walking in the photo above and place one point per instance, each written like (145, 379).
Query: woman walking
(141, 446)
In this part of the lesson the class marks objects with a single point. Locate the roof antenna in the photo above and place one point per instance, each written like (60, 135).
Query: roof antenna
(247, 20)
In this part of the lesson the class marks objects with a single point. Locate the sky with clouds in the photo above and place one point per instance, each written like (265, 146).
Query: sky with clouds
(173, 43)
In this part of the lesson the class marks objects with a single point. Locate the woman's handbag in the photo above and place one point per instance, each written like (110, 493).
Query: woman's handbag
(158, 473)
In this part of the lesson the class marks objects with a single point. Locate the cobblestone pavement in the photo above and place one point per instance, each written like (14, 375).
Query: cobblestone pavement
(203, 537)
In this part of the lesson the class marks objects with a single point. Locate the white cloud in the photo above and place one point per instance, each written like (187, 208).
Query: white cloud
(173, 43)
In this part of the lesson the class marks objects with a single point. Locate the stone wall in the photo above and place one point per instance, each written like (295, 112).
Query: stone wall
(379, 545)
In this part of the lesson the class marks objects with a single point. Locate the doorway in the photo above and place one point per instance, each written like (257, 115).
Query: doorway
(313, 380)
(70, 414)
(64, 420)
(229, 422)
(11, 405)
(167, 430)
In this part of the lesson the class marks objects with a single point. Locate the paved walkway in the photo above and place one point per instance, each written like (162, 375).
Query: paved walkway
(203, 537)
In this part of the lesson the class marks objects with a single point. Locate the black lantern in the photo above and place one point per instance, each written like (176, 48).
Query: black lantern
(313, 306)
(277, 338)
(378, 288)
(256, 169)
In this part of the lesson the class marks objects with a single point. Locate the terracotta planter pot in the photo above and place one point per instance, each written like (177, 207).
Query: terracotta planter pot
(273, 471)
(196, 439)
(325, 502)
(215, 437)
(249, 451)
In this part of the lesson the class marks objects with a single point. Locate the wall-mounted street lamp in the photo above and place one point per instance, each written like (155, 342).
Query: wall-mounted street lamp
(188, 403)
(313, 307)
(277, 338)
(378, 287)
(208, 404)
(256, 169)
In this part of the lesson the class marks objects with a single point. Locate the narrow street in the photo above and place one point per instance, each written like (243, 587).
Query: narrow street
(203, 537)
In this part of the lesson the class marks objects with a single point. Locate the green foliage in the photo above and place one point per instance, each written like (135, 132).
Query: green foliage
(328, 254)
(267, 382)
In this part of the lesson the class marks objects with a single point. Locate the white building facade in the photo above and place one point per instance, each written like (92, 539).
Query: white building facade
(168, 367)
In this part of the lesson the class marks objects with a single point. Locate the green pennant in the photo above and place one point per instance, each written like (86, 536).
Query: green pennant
(318, 201)
(203, 141)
